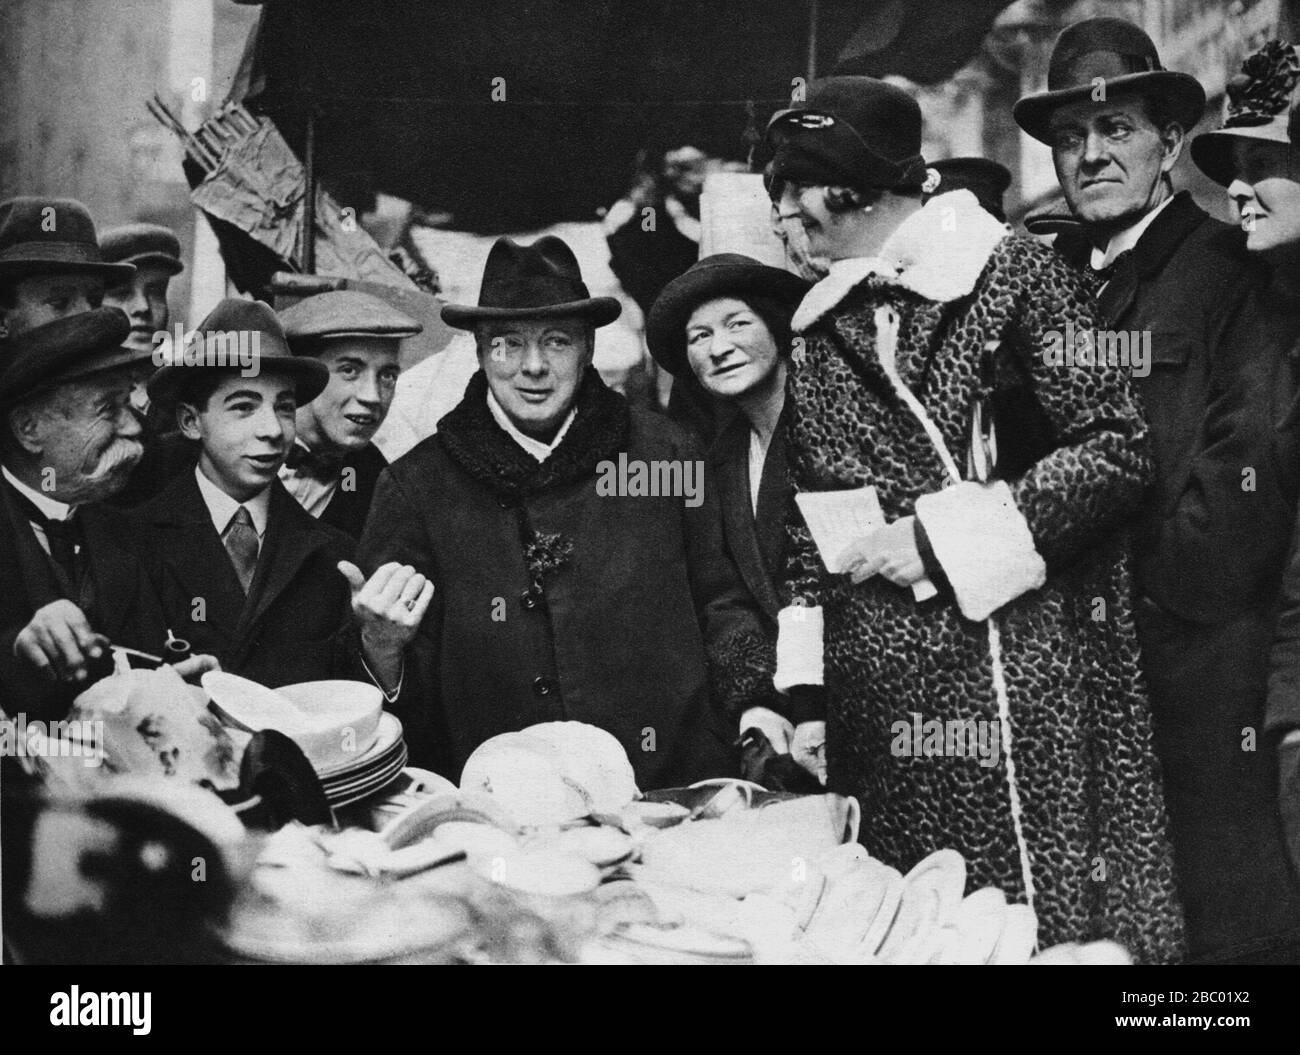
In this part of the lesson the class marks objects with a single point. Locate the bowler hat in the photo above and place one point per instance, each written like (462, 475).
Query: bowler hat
(343, 313)
(1119, 57)
(40, 235)
(1263, 104)
(143, 243)
(541, 280)
(720, 275)
(66, 349)
(986, 179)
(234, 316)
(854, 131)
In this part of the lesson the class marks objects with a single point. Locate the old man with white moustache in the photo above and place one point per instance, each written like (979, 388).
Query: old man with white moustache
(557, 592)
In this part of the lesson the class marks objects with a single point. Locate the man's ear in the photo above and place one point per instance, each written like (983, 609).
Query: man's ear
(1171, 139)
(25, 427)
(187, 420)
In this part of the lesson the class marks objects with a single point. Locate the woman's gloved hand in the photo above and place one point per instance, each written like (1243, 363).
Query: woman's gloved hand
(808, 747)
(777, 729)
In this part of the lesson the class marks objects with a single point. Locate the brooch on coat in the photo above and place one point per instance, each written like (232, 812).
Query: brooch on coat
(546, 553)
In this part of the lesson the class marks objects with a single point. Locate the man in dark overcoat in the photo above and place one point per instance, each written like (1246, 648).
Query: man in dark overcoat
(571, 547)
(1211, 540)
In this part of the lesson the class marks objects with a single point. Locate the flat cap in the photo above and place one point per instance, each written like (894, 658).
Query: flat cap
(142, 243)
(343, 313)
(67, 349)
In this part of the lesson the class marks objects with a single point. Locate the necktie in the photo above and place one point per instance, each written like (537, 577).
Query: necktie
(240, 540)
(310, 463)
(64, 537)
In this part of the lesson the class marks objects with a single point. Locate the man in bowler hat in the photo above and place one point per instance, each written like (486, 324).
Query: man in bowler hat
(51, 265)
(553, 598)
(1210, 542)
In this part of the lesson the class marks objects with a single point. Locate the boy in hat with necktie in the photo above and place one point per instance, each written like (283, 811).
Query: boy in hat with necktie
(1210, 541)
(51, 265)
(241, 570)
(333, 467)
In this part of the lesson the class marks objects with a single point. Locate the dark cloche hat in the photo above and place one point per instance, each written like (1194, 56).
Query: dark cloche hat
(237, 316)
(541, 280)
(143, 243)
(1117, 54)
(853, 131)
(986, 179)
(720, 275)
(343, 313)
(40, 235)
(66, 349)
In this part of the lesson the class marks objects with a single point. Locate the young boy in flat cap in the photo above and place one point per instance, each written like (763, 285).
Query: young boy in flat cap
(333, 466)
(51, 265)
(241, 570)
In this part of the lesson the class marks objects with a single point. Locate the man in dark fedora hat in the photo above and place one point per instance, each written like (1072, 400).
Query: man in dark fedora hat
(50, 262)
(241, 570)
(563, 586)
(333, 466)
(1210, 541)
(68, 440)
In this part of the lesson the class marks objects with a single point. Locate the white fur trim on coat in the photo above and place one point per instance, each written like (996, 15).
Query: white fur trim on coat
(798, 647)
(983, 544)
(938, 252)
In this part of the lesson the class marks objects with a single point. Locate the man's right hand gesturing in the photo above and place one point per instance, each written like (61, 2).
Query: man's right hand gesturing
(388, 609)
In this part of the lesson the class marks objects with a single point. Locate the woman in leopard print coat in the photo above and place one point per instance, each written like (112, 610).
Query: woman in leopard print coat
(1015, 622)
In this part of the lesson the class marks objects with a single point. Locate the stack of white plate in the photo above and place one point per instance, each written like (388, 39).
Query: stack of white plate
(371, 771)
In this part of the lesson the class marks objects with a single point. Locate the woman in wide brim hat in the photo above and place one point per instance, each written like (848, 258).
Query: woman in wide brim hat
(1256, 156)
(962, 606)
(723, 328)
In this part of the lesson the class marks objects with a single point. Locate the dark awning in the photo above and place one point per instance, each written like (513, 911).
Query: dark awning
(403, 93)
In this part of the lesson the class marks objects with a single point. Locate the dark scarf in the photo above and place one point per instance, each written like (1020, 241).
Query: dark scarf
(475, 442)
(472, 438)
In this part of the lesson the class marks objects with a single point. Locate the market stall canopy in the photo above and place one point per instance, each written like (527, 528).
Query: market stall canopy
(512, 115)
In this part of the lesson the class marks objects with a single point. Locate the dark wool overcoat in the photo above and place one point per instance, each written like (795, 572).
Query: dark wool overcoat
(975, 307)
(1210, 550)
(553, 601)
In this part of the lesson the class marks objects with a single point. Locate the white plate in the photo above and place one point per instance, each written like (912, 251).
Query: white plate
(387, 734)
(378, 782)
(1019, 936)
(384, 771)
(932, 891)
(979, 920)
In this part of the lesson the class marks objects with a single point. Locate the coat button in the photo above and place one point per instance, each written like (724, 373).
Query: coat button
(543, 685)
(531, 597)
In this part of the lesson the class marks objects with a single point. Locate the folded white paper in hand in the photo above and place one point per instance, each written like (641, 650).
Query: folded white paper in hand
(837, 519)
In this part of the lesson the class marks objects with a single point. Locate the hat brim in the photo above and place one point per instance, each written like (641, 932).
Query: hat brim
(666, 323)
(310, 376)
(163, 260)
(25, 267)
(1212, 151)
(1033, 113)
(601, 310)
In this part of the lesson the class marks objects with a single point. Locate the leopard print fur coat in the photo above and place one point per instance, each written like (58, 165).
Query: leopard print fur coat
(1089, 831)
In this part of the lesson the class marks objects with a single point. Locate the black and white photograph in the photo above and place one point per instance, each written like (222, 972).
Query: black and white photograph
(651, 482)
